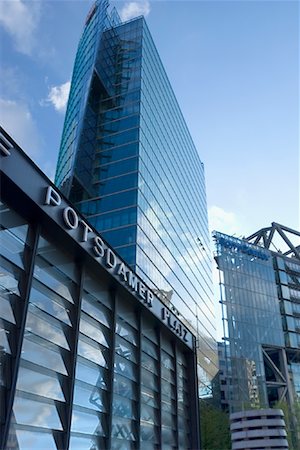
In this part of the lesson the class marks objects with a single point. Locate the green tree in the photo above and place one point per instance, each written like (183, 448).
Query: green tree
(215, 428)
(292, 422)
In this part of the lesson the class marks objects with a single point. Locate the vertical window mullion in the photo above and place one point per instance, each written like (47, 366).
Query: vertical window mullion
(139, 378)
(76, 313)
(176, 394)
(111, 368)
(193, 399)
(159, 390)
(29, 258)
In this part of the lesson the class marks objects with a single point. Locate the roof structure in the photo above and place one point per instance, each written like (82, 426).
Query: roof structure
(275, 235)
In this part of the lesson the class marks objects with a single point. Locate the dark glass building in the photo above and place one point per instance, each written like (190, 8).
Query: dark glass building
(260, 296)
(128, 163)
(90, 358)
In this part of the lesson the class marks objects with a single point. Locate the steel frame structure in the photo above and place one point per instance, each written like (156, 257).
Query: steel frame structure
(265, 237)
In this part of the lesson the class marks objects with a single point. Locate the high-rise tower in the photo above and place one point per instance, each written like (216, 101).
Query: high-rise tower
(128, 162)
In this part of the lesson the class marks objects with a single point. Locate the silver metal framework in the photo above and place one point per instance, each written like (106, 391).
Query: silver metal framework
(266, 236)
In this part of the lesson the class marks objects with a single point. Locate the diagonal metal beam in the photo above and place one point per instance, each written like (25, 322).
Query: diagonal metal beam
(291, 251)
(285, 228)
(257, 233)
(265, 238)
(272, 365)
(287, 241)
(283, 394)
(269, 240)
(257, 239)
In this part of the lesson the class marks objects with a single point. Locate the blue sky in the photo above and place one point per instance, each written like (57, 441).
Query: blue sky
(234, 67)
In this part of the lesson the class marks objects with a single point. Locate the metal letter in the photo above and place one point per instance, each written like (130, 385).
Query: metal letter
(111, 260)
(122, 271)
(149, 298)
(99, 246)
(70, 218)
(52, 197)
(133, 281)
(142, 290)
(86, 229)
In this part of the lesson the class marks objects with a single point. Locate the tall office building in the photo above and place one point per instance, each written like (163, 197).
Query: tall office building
(128, 162)
(260, 295)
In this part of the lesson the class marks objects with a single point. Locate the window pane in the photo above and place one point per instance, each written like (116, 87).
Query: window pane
(92, 397)
(126, 331)
(124, 407)
(39, 383)
(92, 329)
(149, 379)
(91, 373)
(125, 387)
(44, 328)
(34, 413)
(125, 368)
(49, 302)
(35, 440)
(35, 350)
(94, 309)
(123, 428)
(148, 396)
(87, 423)
(149, 433)
(92, 351)
(149, 363)
(13, 232)
(125, 349)
(88, 443)
(149, 414)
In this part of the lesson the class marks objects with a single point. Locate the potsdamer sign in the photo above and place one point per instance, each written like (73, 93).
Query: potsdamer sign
(21, 170)
(72, 221)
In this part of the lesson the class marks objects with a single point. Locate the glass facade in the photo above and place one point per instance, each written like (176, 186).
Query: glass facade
(287, 272)
(84, 363)
(251, 317)
(260, 296)
(129, 164)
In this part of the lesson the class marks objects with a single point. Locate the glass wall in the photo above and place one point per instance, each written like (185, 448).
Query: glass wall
(81, 366)
(173, 250)
(136, 174)
(251, 317)
(287, 271)
(81, 80)
(15, 247)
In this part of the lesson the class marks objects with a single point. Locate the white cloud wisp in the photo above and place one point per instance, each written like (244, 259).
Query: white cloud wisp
(20, 20)
(223, 221)
(58, 96)
(17, 120)
(135, 9)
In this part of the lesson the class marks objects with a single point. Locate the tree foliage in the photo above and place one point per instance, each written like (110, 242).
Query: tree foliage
(215, 428)
(292, 422)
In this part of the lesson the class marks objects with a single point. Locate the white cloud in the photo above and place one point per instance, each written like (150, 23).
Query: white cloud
(223, 221)
(17, 120)
(134, 9)
(20, 19)
(58, 96)
(12, 82)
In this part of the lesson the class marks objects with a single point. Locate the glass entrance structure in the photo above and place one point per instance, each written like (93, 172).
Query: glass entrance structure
(128, 163)
(86, 363)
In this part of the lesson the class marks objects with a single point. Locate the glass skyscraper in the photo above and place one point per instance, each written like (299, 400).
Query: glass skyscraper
(128, 162)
